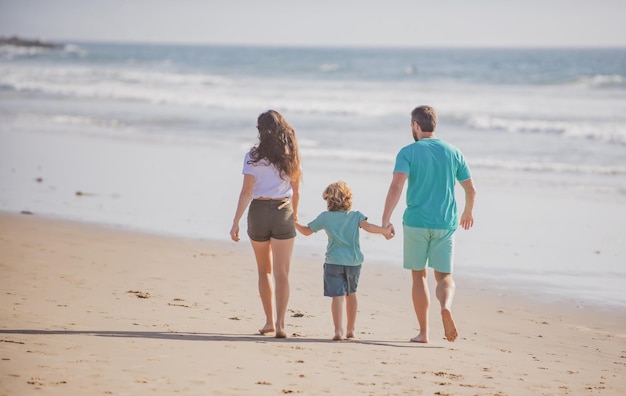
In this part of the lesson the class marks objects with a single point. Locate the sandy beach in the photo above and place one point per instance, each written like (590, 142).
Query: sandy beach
(88, 309)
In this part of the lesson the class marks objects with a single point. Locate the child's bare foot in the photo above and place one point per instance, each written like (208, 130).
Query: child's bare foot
(422, 338)
(448, 325)
(266, 329)
(281, 334)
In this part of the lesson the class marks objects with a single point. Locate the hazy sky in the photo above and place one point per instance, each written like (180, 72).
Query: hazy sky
(451, 23)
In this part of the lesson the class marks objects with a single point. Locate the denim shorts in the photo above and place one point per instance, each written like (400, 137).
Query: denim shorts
(340, 280)
(266, 221)
(428, 246)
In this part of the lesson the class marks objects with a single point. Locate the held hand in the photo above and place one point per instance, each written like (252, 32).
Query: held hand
(390, 232)
(234, 232)
(467, 221)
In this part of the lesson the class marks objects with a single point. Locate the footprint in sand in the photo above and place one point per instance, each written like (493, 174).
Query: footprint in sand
(139, 293)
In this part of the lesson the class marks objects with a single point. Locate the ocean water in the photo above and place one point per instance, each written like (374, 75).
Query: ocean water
(152, 137)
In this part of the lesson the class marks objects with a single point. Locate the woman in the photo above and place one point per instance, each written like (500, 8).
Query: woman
(271, 179)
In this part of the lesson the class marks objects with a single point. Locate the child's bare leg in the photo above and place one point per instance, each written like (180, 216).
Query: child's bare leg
(445, 294)
(351, 309)
(337, 311)
(421, 302)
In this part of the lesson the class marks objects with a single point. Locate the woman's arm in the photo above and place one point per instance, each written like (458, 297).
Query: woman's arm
(244, 199)
(295, 198)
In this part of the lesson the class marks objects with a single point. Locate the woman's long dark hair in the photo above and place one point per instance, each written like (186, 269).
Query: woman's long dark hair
(277, 144)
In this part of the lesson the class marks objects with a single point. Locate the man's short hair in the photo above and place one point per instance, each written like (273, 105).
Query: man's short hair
(426, 118)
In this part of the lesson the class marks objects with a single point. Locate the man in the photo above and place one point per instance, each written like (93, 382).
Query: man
(432, 168)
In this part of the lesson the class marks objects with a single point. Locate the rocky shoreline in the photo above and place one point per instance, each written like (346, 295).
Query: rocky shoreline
(21, 42)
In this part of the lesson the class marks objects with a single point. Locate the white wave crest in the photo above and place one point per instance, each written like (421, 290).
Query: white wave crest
(607, 131)
(387, 158)
(8, 52)
(73, 120)
(202, 90)
(47, 78)
(329, 67)
(602, 80)
(77, 120)
(549, 167)
(75, 49)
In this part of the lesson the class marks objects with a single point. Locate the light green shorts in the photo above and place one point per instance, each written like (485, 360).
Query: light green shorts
(428, 246)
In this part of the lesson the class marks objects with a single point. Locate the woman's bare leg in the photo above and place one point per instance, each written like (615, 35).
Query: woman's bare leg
(281, 251)
(263, 254)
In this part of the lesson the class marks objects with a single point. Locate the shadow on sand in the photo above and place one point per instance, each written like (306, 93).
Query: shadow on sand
(213, 337)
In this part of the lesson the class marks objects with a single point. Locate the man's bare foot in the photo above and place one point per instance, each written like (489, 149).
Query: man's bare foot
(422, 338)
(266, 329)
(281, 334)
(448, 325)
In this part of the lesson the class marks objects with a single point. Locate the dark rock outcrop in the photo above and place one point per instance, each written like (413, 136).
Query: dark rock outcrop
(21, 42)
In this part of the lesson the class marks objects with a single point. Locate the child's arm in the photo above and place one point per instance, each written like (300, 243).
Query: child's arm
(374, 229)
(304, 230)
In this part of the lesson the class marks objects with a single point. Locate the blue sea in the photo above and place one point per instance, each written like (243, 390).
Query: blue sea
(152, 137)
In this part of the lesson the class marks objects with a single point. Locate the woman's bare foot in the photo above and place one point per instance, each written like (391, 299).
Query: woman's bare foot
(266, 329)
(448, 325)
(281, 334)
(337, 337)
(350, 334)
(422, 338)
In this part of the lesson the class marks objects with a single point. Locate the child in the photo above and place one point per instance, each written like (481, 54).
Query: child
(342, 265)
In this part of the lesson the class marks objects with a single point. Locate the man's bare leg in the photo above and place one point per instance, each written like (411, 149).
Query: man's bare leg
(421, 302)
(445, 294)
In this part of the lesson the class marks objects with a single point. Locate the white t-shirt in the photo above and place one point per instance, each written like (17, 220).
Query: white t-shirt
(267, 180)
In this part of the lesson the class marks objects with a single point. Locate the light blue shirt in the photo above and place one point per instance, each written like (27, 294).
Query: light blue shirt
(433, 167)
(342, 229)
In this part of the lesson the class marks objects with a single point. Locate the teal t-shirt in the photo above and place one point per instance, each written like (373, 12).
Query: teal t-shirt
(342, 229)
(433, 167)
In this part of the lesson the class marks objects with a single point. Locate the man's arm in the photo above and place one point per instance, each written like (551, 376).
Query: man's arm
(467, 218)
(393, 196)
